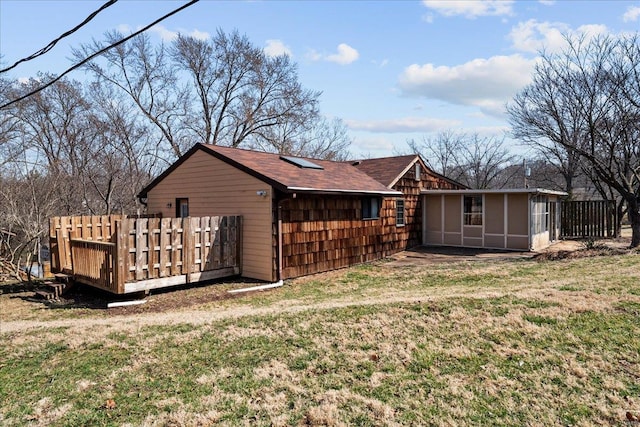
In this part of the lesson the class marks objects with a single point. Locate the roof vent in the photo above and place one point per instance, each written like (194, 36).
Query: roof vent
(301, 163)
(356, 163)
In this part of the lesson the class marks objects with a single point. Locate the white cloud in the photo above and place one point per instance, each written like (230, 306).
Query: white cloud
(484, 83)
(345, 55)
(168, 35)
(592, 30)
(381, 64)
(165, 34)
(277, 48)
(371, 146)
(470, 8)
(533, 36)
(547, 2)
(632, 14)
(313, 55)
(200, 35)
(123, 28)
(401, 125)
(428, 18)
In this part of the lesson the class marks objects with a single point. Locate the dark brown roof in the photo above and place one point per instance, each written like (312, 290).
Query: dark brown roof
(386, 170)
(334, 177)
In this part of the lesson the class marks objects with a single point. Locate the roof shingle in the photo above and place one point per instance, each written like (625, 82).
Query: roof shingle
(386, 170)
(334, 177)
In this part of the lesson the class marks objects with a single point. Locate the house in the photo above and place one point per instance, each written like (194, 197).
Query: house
(300, 216)
(408, 175)
(518, 219)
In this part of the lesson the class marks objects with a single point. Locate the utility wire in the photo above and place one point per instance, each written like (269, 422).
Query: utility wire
(100, 52)
(50, 46)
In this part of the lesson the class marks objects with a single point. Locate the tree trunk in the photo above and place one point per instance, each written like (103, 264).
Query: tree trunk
(634, 216)
(620, 211)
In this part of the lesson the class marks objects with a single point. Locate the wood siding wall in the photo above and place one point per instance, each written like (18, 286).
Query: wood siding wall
(321, 233)
(215, 188)
(411, 234)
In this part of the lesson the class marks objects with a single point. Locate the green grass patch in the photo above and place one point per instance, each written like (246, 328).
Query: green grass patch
(472, 344)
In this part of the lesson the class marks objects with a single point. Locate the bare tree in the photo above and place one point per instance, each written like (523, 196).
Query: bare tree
(222, 90)
(242, 93)
(145, 73)
(324, 139)
(127, 154)
(26, 204)
(475, 161)
(587, 100)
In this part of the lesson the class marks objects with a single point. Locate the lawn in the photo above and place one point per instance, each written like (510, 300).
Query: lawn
(505, 342)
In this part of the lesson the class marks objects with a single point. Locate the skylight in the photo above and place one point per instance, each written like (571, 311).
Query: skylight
(301, 163)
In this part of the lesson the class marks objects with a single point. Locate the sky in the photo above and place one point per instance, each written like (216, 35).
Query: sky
(391, 70)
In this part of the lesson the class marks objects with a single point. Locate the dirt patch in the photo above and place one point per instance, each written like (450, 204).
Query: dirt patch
(445, 254)
(564, 249)
(20, 304)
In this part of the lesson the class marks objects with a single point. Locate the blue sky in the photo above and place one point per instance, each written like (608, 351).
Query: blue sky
(392, 70)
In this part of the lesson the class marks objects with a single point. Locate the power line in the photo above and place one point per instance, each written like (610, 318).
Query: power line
(100, 52)
(50, 46)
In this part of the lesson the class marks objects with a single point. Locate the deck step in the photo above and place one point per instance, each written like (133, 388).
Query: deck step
(47, 295)
(62, 277)
(56, 287)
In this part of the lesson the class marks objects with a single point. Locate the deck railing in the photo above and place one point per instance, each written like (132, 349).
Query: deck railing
(95, 262)
(123, 255)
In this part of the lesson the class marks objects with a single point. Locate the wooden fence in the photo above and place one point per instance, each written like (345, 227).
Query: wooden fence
(588, 219)
(123, 255)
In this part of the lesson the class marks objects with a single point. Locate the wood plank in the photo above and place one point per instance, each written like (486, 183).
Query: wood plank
(176, 224)
(154, 242)
(187, 248)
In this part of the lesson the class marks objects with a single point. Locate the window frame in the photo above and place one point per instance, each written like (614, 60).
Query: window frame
(540, 214)
(182, 202)
(473, 210)
(369, 211)
(400, 213)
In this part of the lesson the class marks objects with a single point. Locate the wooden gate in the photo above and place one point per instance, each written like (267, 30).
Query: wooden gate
(123, 255)
(588, 219)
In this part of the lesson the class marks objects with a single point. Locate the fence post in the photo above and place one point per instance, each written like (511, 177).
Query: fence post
(122, 253)
(187, 248)
(239, 243)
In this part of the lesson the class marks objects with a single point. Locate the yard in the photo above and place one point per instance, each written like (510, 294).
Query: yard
(461, 339)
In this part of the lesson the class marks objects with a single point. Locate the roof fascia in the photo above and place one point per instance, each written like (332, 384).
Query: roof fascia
(348, 192)
(498, 191)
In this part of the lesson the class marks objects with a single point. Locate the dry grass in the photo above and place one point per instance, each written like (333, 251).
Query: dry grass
(506, 342)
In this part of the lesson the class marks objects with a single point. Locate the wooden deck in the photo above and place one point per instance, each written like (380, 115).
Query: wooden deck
(123, 255)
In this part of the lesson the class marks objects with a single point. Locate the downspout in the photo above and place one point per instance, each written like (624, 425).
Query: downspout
(279, 265)
(530, 223)
(279, 249)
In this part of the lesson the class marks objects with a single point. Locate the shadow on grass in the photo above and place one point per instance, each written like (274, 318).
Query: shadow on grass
(158, 300)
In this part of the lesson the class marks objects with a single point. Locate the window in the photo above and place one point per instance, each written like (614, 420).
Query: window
(182, 208)
(472, 210)
(540, 214)
(399, 212)
(418, 173)
(301, 163)
(371, 208)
